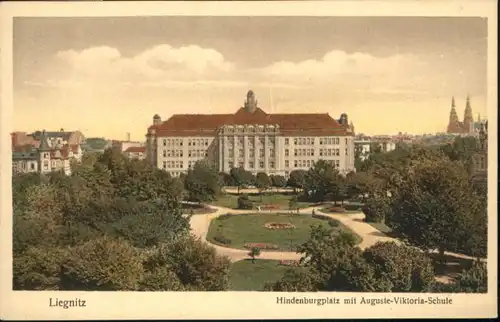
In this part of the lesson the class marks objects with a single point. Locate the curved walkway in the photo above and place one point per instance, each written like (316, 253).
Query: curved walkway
(354, 221)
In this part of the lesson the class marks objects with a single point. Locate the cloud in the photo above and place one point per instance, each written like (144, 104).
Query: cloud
(357, 69)
(195, 67)
(159, 63)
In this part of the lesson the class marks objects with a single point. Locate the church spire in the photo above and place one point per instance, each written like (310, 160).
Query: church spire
(44, 144)
(453, 124)
(468, 118)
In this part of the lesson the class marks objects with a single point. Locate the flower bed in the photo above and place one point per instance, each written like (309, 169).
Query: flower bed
(261, 246)
(289, 263)
(276, 225)
(270, 207)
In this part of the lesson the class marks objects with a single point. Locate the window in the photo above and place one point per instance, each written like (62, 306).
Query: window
(164, 153)
(295, 141)
(312, 152)
(286, 152)
(296, 164)
(189, 142)
(240, 153)
(287, 141)
(164, 142)
(271, 153)
(337, 163)
(180, 142)
(250, 164)
(346, 152)
(313, 141)
(206, 154)
(271, 164)
(206, 142)
(240, 164)
(337, 141)
(231, 165)
(32, 166)
(261, 164)
(164, 164)
(261, 153)
(295, 152)
(287, 163)
(321, 141)
(252, 153)
(320, 152)
(261, 140)
(345, 140)
(337, 152)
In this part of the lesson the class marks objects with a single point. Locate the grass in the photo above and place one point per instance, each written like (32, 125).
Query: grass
(248, 276)
(242, 229)
(231, 200)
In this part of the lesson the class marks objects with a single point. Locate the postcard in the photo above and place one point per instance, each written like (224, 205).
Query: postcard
(248, 160)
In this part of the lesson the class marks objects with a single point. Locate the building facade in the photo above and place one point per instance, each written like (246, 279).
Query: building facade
(251, 138)
(46, 153)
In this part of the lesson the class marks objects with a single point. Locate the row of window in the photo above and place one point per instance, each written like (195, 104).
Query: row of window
(173, 165)
(329, 152)
(312, 141)
(173, 142)
(251, 153)
(251, 129)
(301, 152)
(198, 142)
(241, 140)
(251, 164)
(173, 153)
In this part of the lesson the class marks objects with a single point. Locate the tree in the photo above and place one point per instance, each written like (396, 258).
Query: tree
(293, 280)
(254, 253)
(202, 183)
(292, 203)
(323, 182)
(297, 180)
(196, 265)
(241, 177)
(244, 202)
(377, 207)
(262, 182)
(103, 264)
(402, 268)
(473, 280)
(278, 181)
(435, 206)
(38, 268)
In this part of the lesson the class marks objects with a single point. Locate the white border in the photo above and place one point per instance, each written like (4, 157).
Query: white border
(170, 305)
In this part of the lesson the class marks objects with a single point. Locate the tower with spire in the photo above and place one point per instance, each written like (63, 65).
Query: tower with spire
(454, 124)
(468, 118)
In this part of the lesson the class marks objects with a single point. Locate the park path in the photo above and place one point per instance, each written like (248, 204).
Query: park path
(354, 221)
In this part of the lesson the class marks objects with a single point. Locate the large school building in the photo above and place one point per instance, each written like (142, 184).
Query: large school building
(251, 138)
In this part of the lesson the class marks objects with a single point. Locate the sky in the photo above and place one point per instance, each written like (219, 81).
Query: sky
(108, 76)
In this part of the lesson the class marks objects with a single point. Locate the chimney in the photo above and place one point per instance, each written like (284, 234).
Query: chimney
(62, 130)
(128, 137)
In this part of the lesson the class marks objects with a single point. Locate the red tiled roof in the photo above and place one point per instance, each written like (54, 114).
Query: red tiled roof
(290, 124)
(136, 149)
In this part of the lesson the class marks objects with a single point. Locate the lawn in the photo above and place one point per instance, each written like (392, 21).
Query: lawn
(231, 200)
(248, 276)
(242, 229)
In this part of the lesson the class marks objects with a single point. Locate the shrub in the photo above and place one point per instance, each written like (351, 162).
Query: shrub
(336, 209)
(244, 202)
(289, 263)
(261, 246)
(322, 217)
(222, 239)
(333, 223)
(353, 207)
